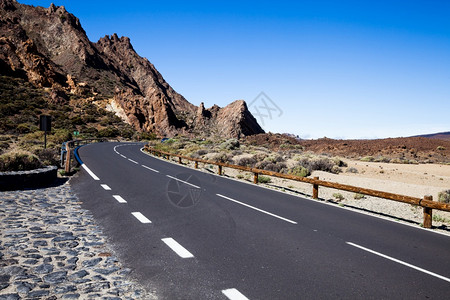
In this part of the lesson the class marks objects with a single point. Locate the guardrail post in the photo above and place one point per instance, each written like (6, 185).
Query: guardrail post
(220, 170)
(255, 178)
(428, 214)
(315, 194)
(68, 157)
(196, 164)
(179, 160)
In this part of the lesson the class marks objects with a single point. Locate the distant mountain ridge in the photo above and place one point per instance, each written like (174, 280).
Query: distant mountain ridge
(440, 136)
(49, 48)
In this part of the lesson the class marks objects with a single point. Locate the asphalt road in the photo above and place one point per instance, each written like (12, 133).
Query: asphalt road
(188, 234)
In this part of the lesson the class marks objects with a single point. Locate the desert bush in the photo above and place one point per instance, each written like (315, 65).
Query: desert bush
(358, 196)
(231, 144)
(444, 196)
(19, 160)
(367, 158)
(299, 171)
(90, 132)
(264, 179)
(382, 159)
(440, 148)
(23, 128)
(338, 162)
(76, 120)
(108, 132)
(222, 157)
(275, 159)
(48, 157)
(148, 136)
(352, 170)
(335, 170)
(322, 164)
(338, 196)
(270, 166)
(202, 152)
(3, 146)
(246, 161)
(60, 136)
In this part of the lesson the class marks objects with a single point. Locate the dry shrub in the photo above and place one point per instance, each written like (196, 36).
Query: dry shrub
(319, 164)
(444, 196)
(246, 161)
(270, 166)
(299, 171)
(231, 144)
(48, 157)
(19, 160)
(222, 157)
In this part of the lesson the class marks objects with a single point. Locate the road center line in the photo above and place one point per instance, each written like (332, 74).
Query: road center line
(141, 217)
(185, 182)
(234, 294)
(123, 155)
(119, 199)
(133, 161)
(258, 209)
(177, 248)
(90, 172)
(399, 261)
(106, 187)
(150, 169)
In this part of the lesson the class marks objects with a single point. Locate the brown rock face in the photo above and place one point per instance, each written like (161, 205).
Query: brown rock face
(49, 47)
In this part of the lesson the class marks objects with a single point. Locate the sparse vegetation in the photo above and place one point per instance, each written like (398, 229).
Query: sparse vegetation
(439, 218)
(368, 159)
(264, 179)
(231, 144)
(19, 160)
(338, 196)
(358, 196)
(299, 171)
(21, 104)
(444, 196)
(352, 170)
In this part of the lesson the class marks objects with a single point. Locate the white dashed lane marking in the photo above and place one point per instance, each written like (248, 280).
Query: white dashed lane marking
(234, 294)
(106, 187)
(177, 248)
(399, 262)
(156, 171)
(185, 182)
(141, 217)
(90, 172)
(119, 199)
(257, 209)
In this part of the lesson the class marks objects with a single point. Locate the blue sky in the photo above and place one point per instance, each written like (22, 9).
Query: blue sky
(340, 69)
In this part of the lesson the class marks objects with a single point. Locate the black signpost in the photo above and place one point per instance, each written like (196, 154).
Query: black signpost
(45, 124)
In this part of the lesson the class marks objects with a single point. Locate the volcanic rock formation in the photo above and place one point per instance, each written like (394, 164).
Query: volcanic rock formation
(48, 47)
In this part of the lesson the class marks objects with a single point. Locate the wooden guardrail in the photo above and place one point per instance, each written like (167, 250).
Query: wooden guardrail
(70, 147)
(427, 202)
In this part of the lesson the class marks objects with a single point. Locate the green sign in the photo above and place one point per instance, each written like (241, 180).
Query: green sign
(75, 133)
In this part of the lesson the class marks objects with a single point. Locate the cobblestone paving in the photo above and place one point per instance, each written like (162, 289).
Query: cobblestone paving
(51, 248)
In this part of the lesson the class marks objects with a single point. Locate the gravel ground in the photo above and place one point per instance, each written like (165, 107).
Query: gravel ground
(51, 248)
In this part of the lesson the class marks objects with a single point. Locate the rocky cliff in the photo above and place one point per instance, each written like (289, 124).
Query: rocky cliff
(48, 47)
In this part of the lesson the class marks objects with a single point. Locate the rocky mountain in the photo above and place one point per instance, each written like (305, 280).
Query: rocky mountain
(49, 48)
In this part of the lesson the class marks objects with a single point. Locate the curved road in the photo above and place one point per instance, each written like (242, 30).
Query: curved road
(188, 234)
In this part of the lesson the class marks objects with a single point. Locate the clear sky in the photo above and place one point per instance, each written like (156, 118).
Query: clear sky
(340, 69)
